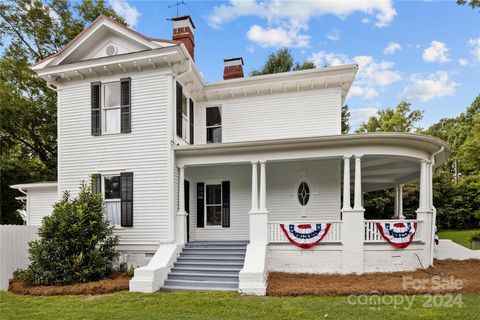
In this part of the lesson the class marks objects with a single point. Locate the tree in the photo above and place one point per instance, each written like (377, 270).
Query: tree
(400, 119)
(345, 119)
(76, 243)
(472, 3)
(282, 61)
(31, 31)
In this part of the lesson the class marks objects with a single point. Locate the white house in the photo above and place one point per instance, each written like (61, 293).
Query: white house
(198, 178)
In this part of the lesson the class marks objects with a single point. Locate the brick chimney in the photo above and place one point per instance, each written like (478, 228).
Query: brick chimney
(183, 28)
(233, 68)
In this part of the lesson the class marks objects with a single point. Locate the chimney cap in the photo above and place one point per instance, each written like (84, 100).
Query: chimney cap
(232, 61)
(181, 18)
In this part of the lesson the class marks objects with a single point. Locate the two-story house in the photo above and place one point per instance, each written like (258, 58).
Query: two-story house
(202, 179)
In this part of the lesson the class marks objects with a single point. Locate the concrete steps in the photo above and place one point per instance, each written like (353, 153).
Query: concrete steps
(207, 266)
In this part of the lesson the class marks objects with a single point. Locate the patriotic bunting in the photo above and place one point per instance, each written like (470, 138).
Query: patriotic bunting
(398, 234)
(305, 235)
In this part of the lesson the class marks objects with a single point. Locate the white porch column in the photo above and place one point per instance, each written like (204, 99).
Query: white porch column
(263, 188)
(346, 183)
(353, 228)
(254, 208)
(424, 212)
(400, 202)
(357, 203)
(253, 276)
(181, 215)
(395, 205)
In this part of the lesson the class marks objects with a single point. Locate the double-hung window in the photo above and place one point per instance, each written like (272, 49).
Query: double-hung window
(214, 125)
(113, 199)
(111, 107)
(213, 204)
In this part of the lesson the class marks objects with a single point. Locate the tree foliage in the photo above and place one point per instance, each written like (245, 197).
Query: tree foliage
(345, 119)
(472, 3)
(31, 31)
(400, 119)
(282, 61)
(76, 243)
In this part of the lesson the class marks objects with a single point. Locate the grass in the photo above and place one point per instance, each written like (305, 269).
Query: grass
(462, 237)
(221, 305)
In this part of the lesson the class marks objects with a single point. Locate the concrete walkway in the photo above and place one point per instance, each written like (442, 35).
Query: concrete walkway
(447, 249)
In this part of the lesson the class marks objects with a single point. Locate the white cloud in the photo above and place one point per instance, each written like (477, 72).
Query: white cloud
(462, 62)
(276, 37)
(392, 47)
(360, 115)
(125, 10)
(334, 35)
(371, 75)
(293, 16)
(365, 20)
(437, 52)
(475, 45)
(432, 86)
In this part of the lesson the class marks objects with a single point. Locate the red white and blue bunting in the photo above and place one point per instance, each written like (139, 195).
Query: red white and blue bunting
(305, 235)
(398, 234)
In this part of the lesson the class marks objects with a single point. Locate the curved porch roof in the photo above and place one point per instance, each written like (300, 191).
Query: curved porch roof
(389, 159)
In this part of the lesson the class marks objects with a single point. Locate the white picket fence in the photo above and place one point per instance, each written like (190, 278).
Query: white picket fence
(373, 235)
(14, 250)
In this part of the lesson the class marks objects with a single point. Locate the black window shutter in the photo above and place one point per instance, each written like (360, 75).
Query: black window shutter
(97, 183)
(179, 109)
(191, 121)
(226, 204)
(95, 94)
(125, 102)
(200, 204)
(126, 193)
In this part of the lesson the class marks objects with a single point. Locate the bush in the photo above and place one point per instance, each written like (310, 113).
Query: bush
(76, 243)
(475, 237)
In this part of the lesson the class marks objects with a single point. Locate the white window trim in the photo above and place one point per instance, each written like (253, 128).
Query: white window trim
(206, 226)
(185, 135)
(215, 126)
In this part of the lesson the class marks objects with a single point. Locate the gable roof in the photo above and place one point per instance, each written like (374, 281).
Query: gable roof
(97, 21)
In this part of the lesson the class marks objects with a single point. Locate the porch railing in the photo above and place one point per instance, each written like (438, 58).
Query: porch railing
(276, 235)
(373, 235)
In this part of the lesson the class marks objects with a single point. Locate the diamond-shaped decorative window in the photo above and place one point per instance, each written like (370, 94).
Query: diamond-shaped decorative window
(303, 193)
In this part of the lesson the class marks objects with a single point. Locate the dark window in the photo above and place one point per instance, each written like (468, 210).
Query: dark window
(303, 193)
(112, 187)
(214, 125)
(213, 204)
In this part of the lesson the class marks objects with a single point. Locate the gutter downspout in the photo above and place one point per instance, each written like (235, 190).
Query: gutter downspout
(434, 218)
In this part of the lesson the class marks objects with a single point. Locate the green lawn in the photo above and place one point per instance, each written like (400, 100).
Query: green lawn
(461, 237)
(219, 305)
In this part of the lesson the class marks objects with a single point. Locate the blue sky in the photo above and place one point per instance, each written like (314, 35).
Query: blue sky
(425, 52)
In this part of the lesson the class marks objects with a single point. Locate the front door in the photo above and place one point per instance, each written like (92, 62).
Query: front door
(187, 206)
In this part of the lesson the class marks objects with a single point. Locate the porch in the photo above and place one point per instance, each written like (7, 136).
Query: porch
(336, 175)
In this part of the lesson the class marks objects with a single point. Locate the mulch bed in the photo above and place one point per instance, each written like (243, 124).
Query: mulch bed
(118, 282)
(446, 276)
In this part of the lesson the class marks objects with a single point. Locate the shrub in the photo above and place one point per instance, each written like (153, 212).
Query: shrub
(76, 243)
(475, 237)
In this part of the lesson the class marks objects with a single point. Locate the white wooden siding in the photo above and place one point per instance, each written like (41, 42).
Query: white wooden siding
(146, 152)
(283, 179)
(275, 116)
(240, 202)
(39, 204)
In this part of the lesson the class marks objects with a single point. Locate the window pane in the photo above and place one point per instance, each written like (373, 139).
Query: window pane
(214, 118)
(303, 193)
(214, 194)
(184, 105)
(214, 216)
(214, 135)
(112, 187)
(112, 120)
(112, 94)
(113, 209)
